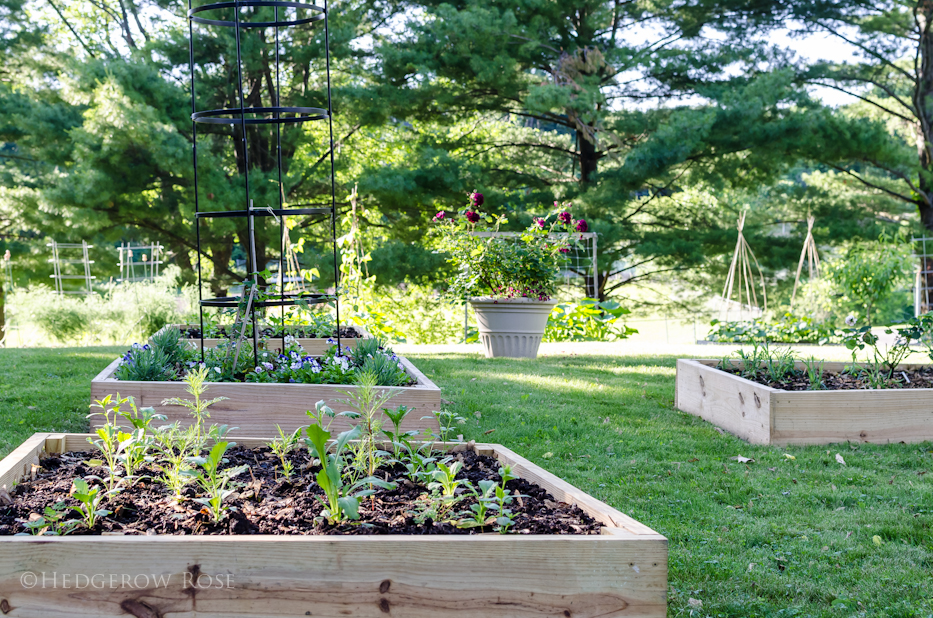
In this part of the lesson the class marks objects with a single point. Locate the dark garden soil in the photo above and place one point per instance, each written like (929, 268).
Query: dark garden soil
(267, 503)
(917, 378)
(345, 333)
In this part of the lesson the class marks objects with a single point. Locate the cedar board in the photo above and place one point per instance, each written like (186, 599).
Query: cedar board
(764, 415)
(621, 573)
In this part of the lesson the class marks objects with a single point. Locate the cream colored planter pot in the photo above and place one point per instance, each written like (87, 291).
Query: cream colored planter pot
(511, 327)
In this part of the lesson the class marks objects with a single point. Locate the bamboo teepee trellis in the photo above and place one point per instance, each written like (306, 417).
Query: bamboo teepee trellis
(740, 274)
(808, 254)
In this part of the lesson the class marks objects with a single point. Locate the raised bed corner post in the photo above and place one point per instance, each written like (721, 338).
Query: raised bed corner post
(243, 117)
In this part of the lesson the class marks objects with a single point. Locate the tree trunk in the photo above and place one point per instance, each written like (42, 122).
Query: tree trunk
(589, 159)
(923, 107)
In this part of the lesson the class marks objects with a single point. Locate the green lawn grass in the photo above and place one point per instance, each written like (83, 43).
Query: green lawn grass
(783, 536)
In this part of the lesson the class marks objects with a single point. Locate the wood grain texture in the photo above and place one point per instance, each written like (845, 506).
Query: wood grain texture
(878, 416)
(314, 347)
(621, 573)
(256, 409)
(731, 403)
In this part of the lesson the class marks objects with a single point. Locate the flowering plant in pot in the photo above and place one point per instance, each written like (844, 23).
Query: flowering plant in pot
(508, 279)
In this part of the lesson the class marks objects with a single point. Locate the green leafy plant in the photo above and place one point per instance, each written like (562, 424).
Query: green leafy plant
(213, 480)
(145, 364)
(478, 516)
(814, 374)
(396, 436)
(368, 400)
(778, 364)
(870, 271)
(283, 445)
(444, 477)
(881, 363)
(447, 422)
(175, 446)
(503, 497)
(194, 384)
(788, 329)
(525, 265)
(52, 522)
(588, 320)
(342, 501)
(172, 344)
(90, 498)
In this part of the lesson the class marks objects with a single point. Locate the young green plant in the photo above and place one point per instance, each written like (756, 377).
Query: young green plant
(213, 480)
(342, 501)
(194, 384)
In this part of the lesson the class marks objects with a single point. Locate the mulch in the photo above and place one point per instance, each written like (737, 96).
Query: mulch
(268, 503)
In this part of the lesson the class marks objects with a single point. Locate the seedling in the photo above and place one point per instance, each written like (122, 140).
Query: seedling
(90, 499)
(814, 374)
(52, 522)
(213, 480)
(446, 422)
(397, 437)
(194, 384)
(478, 516)
(444, 478)
(283, 445)
(342, 501)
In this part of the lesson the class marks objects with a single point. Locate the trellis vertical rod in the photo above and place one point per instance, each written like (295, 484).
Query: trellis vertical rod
(333, 180)
(194, 159)
(278, 145)
(250, 220)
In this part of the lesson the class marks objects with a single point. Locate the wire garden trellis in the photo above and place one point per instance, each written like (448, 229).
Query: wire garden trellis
(240, 118)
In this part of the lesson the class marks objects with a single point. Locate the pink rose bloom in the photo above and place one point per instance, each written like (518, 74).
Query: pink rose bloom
(439, 216)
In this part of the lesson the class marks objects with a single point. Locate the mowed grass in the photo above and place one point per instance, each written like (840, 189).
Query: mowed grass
(47, 389)
(784, 536)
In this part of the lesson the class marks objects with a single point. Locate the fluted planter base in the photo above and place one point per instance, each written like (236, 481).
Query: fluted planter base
(511, 327)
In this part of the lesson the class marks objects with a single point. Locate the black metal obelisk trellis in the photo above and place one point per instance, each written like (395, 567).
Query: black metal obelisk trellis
(241, 116)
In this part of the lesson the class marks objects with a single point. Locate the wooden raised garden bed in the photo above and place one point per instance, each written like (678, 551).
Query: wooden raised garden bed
(620, 572)
(765, 415)
(255, 409)
(314, 346)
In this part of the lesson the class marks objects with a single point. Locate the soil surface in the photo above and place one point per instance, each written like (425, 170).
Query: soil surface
(345, 333)
(798, 381)
(268, 503)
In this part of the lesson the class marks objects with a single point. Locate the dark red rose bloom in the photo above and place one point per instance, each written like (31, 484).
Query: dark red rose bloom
(477, 199)
(471, 216)
(564, 250)
(581, 226)
(564, 218)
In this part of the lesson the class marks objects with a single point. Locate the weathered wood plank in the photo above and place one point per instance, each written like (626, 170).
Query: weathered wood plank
(256, 409)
